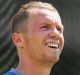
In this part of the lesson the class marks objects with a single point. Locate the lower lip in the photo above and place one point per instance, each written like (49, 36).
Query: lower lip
(52, 48)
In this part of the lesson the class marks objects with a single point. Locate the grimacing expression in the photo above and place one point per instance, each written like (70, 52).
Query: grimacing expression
(44, 37)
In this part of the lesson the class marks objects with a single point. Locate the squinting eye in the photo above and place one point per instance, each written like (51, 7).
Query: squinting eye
(60, 29)
(45, 27)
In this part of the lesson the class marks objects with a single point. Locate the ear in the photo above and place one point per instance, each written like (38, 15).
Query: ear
(17, 39)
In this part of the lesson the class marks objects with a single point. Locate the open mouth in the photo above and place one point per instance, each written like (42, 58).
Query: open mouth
(54, 45)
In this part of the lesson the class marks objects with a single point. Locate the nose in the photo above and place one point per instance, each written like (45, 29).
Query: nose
(54, 33)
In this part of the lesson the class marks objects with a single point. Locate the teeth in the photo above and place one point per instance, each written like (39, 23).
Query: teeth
(52, 45)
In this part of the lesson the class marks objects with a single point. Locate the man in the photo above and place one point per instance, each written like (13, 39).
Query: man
(37, 32)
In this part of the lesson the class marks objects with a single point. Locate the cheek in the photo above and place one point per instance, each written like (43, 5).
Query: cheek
(38, 36)
(35, 40)
(61, 39)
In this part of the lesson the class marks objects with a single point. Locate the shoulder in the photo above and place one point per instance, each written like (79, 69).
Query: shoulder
(9, 73)
(12, 72)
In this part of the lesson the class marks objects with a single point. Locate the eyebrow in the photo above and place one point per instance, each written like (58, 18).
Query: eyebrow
(60, 25)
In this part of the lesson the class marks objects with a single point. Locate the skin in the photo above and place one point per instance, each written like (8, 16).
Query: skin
(44, 27)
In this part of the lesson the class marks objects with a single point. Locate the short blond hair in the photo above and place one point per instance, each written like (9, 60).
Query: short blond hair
(38, 4)
(23, 14)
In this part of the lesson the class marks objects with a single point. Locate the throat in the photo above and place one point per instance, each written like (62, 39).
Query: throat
(32, 68)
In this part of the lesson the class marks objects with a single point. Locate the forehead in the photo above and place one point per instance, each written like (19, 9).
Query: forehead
(44, 15)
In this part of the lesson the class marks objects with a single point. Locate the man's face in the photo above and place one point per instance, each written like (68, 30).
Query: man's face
(44, 36)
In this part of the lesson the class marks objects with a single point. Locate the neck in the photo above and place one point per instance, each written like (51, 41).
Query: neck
(29, 67)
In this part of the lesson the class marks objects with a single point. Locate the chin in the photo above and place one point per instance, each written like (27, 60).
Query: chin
(53, 59)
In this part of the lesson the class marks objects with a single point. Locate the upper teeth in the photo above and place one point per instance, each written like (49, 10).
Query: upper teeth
(52, 45)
